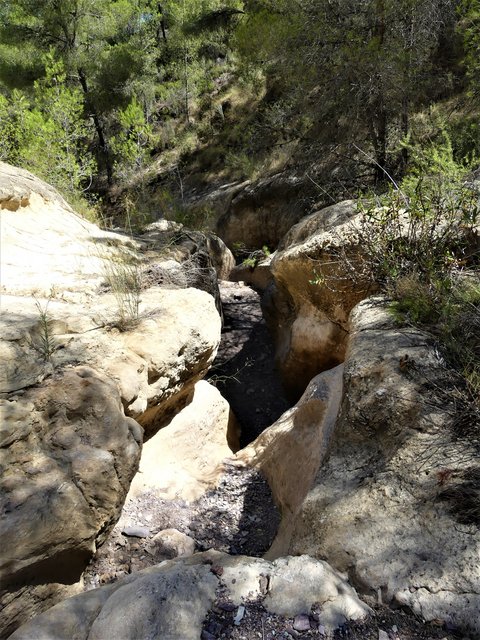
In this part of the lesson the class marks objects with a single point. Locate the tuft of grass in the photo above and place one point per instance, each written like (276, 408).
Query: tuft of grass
(123, 276)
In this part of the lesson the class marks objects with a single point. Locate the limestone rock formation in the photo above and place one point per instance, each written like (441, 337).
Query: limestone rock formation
(178, 258)
(181, 460)
(74, 378)
(45, 245)
(388, 505)
(172, 600)
(262, 212)
(309, 302)
(290, 452)
(69, 454)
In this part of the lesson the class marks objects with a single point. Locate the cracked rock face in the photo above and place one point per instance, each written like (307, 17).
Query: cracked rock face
(377, 507)
(173, 599)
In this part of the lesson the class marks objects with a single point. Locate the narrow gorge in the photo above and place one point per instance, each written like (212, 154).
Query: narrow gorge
(194, 449)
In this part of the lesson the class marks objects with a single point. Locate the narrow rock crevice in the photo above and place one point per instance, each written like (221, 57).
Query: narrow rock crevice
(244, 369)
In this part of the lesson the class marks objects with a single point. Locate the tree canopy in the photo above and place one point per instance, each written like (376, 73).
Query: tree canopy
(91, 90)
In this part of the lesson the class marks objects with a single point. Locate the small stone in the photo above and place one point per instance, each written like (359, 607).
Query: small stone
(301, 623)
(264, 582)
(322, 630)
(216, 569)
(227, 606)
(136, 532)
(382, 635)
(394, 628)
(239, 616)
(206, 635)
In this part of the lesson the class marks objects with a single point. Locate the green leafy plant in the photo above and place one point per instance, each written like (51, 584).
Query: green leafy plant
(427, 228)
(254, 257)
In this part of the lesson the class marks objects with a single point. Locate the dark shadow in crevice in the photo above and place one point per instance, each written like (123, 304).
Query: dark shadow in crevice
(244, 370)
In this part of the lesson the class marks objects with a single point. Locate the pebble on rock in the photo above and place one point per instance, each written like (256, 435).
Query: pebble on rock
(136, 532)
(301, 623)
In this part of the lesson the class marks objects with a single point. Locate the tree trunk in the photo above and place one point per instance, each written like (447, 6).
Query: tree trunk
(404, 127)
(103, 144)
(162, 23)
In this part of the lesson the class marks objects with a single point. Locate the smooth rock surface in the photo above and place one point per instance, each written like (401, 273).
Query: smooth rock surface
(44, 244)
(308, 305)
(173, 543)
(182, 459)
(290, 452)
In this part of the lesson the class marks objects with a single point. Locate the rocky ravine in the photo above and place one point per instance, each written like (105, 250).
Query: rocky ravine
(354, 438)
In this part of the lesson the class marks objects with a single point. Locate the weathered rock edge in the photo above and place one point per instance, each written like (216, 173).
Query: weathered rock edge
(308, 303)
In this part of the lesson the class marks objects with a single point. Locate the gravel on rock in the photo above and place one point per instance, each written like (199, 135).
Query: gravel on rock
(257, 622)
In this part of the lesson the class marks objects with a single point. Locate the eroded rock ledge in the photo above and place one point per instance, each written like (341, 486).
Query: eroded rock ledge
(371, 496)
(377, 508)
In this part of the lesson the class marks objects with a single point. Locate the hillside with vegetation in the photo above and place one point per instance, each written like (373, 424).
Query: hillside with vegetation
(109, 99)
(136, 110)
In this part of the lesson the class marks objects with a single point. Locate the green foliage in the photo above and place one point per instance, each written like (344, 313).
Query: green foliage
(370, 63)
(469, 29)
(133, 141)
(255, 257)
(421, 247)
(13, 114)
(460, 330)
(47, 134)
(426, 229)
